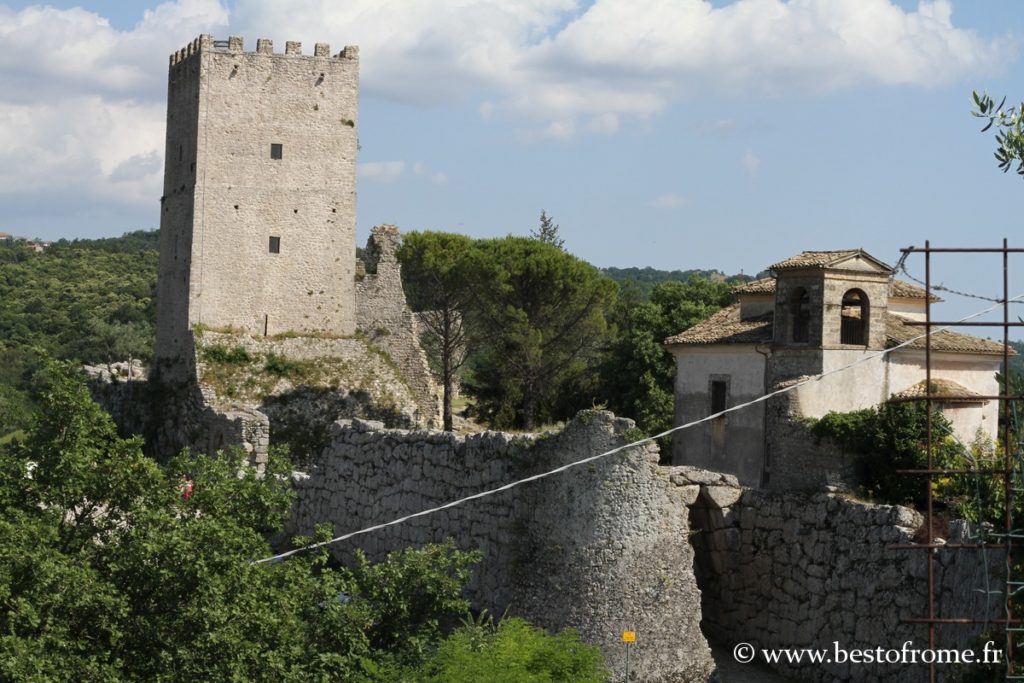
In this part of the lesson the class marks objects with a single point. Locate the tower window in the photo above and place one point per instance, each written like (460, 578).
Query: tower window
(276, 150)
(854, 321)
(275, 245)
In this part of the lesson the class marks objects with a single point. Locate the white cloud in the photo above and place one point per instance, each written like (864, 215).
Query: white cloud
(669, 201)
(83, 102)
(750, 163)
(572, 66)
(82, 111)
(439, 178)
(383, 171)
(603, 123)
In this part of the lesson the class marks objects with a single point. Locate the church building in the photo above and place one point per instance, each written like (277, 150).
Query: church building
(819, 311)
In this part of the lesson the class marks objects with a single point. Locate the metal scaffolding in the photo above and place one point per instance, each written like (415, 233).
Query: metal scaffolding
(1010, 539)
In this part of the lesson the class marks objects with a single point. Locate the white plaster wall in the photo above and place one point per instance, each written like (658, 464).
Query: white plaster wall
(912, 309)
(742, 452)
(873, 381)
(754, 305)
(975, 372)
(860, 386)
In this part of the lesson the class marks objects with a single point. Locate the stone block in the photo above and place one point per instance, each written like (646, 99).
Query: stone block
(723, 496)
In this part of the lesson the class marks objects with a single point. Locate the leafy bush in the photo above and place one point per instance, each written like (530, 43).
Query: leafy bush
(513, 651)
(888, 438)
(282, 366)
(108, 572)
(220, 354)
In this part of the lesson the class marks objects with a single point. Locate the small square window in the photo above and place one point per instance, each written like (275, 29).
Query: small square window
(276, 150)
(275, 245)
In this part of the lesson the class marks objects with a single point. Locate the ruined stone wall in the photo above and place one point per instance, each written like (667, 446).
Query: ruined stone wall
(602, 547)
(386, 320)
(171, 417)
(804, 571)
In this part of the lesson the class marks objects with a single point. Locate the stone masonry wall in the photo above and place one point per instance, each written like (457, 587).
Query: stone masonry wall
(804, 571)
(172, 417)
(601, 547)
(797, 460)
(385, 318)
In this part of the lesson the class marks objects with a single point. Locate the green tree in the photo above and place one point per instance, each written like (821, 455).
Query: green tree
(437, 269)
(638, 374)
(891, 437)
(548, 231)
(538, 329)
(109, 572)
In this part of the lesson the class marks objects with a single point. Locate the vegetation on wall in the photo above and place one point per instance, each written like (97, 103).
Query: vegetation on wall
(116, 568)
(893, 437)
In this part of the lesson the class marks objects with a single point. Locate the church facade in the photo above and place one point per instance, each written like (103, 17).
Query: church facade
(819, 312)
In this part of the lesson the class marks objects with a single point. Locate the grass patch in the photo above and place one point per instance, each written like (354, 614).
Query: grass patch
(8, 438)
(221, 354)
(282, 366)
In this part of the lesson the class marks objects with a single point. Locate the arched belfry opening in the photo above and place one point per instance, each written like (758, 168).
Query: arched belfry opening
(855, 312)
(800, 316)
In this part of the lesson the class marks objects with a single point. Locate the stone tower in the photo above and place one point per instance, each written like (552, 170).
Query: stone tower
(257, 228)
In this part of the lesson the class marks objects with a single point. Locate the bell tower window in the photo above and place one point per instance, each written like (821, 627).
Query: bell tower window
(853, 328)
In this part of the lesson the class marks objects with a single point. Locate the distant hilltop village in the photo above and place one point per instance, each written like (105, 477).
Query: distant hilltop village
(36, 245)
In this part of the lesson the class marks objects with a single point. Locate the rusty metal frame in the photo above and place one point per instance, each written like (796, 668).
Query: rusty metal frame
(1007, 472)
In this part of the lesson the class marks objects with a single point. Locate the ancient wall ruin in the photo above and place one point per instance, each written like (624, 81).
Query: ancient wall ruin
(386, 320)
(602, 547)
(804, 571)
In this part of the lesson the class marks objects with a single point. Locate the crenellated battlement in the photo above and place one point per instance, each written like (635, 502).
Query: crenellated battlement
(264, 46)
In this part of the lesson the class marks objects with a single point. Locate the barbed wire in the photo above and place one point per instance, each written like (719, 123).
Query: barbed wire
(901, 266)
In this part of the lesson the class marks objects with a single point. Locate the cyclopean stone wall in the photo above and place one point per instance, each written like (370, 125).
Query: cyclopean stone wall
(804, 571)
(602, 547)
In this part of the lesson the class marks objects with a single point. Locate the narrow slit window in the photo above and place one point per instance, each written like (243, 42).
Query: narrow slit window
(276, 150)
(719, 390)
(275, 245)
(800, 308)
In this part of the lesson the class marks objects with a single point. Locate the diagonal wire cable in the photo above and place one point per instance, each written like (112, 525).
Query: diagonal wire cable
(619, 449)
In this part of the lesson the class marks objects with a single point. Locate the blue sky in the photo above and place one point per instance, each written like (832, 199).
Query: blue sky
(664, 133)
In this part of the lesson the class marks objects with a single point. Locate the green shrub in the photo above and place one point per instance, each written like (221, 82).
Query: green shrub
(513, 651)
(220, 354)
(891, 437)
(282, 366)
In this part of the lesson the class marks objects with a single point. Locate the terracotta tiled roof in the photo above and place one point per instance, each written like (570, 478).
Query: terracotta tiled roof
(814, 259)
(899, 290)
(765, 285)
(941, 387)
(897, 332)
(725, 327)
(905, 290)
(823, 259)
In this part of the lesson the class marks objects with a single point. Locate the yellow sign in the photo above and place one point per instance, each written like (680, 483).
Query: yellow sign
(629, 636)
